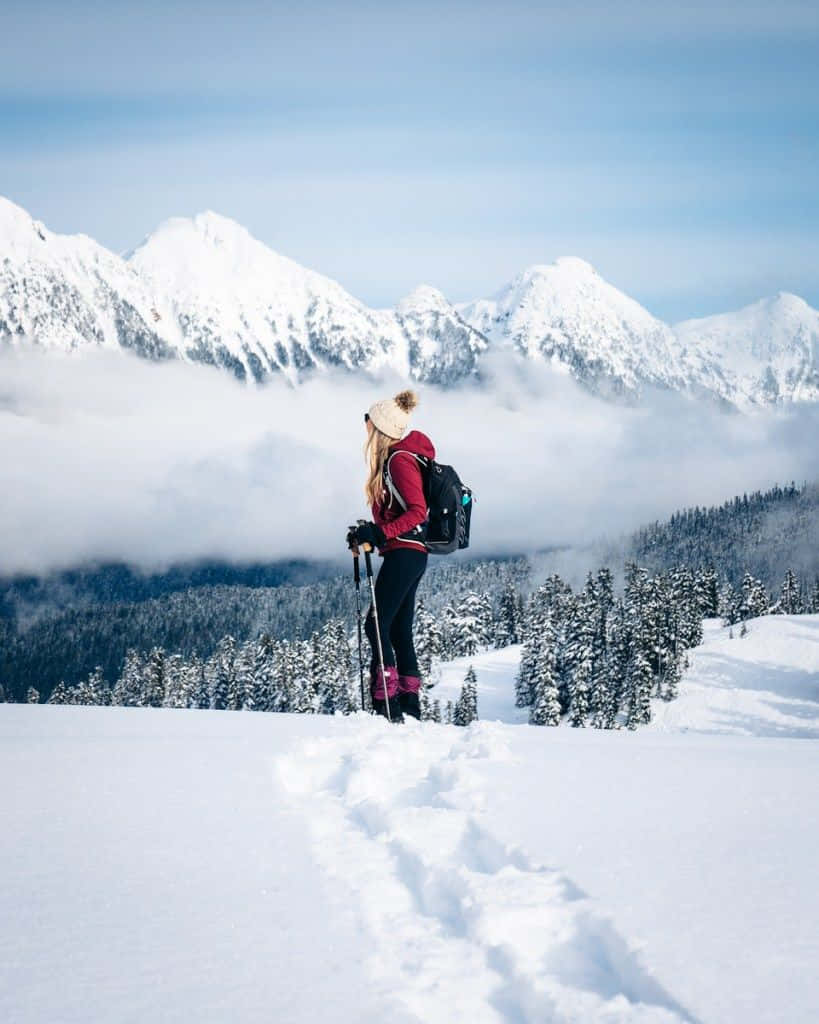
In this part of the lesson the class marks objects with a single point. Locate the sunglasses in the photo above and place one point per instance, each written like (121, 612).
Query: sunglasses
(366, 417)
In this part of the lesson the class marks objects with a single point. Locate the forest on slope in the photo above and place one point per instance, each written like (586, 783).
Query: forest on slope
(59, 629)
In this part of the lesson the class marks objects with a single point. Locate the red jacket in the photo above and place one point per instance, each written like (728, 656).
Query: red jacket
(405, 472)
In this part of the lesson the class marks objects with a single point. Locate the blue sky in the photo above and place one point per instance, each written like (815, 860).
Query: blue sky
(454, 143)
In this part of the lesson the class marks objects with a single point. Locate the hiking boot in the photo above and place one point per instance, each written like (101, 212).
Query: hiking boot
(410, 704)
(380, 708)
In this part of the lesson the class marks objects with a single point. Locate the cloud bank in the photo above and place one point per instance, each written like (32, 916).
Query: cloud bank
(106, 457)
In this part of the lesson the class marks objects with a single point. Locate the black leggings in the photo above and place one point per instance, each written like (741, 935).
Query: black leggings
(395, 587)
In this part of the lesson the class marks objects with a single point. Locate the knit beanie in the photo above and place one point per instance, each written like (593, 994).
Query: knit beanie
(390, 415)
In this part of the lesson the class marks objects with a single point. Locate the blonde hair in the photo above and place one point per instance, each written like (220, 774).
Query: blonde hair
(376, 450)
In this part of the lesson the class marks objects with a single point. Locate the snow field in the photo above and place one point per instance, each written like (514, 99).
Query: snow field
(464, 927)
(163, 865)
(763, 684)
(152, 873)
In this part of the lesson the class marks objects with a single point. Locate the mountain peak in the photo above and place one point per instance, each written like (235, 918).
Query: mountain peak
(423, 299)
(218, 228)
(19, 232)
(207, 226)
(787, 302)
(574, 263)
(563, 266)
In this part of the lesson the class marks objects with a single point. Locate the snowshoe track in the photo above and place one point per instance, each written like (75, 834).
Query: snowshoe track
(464, 928)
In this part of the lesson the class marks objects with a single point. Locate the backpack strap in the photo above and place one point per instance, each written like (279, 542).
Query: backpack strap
(394, 492)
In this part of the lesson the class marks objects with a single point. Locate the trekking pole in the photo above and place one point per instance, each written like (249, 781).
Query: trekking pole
(369, 564)
(357, 578)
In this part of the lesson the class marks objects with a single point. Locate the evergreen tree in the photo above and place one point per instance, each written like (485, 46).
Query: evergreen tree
(334, 685)
(509, 622)
(546, 706)
(471, 626)
(303, 698)
(240, 676)
(580, 654)
(527, 668)
(672, 680)
(707, 592)
(729, 604)
(621, 649)
(153, 693)
(128, 688)
(260, 692)
(59, 695)
(639, 679)
(219, 671)
(638, 690)
(241, 696)
(449, 713)
(466, 707)
(32, 696)
(427, 638)
(175, 696)
(198, 685)
(754, 600)
(790, 596)
(602, 684)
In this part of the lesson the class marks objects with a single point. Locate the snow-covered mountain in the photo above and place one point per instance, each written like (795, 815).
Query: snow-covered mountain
(567, 314)
(767, 352)
(230, 300)
(442, 346)
(202, 289)
(67, 292)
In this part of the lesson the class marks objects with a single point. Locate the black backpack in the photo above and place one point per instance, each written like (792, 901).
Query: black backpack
(449, 506)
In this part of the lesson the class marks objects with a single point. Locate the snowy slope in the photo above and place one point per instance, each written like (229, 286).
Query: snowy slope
(210, 866)
(203, 289)
(567, 314)
(765, 353)
(443, 348)
(66, 292)
(762, 684)
(238, 303)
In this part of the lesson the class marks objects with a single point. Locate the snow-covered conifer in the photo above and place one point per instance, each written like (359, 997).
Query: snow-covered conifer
(153, 680)
(219, 670)
(466, 707)
(127, 691)
(509, 622)
(546, 706)
(790, 595)
(59, 695)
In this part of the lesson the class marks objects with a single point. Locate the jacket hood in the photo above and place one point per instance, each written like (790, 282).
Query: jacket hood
(417, 443)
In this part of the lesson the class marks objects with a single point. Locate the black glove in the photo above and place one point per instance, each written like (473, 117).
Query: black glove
(366, 533)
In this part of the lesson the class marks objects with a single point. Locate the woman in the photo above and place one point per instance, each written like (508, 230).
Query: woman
(399, 512)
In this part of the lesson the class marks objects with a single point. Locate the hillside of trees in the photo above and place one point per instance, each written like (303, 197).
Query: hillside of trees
(47, 637)
(590, 658)
(764, 533)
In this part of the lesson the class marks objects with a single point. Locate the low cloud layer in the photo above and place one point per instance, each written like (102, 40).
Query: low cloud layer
(108, 457)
